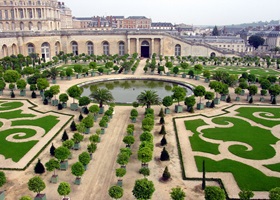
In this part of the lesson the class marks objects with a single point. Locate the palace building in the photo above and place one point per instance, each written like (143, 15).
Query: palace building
(47, 27)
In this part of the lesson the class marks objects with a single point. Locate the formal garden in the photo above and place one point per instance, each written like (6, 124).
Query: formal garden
(243, 137)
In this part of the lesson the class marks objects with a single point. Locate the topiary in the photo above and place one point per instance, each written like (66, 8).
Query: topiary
(145, 171)
(13, 94)
(161, 121)
(228, 100)
(86, 111)
(52, 150)
(163, 141)
(212, 104)
(65, 136)
(59, 106)
(161, 113)
(39, 168)
(81, 117)
(273, 100)
(251, 100)
(166, 174)
(33, 95)
(164, 155)
(73, 126)
(191, 109)
(162, 130)
(45, 102)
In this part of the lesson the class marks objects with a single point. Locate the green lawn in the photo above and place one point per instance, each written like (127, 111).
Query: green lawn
(274, 167)
(14, 114)
(247, 177)
(196, 142)
(10, 105)
(13, 150)
(47, 122)
(247, 112)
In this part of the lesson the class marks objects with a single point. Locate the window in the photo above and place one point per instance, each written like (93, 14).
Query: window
(178, 50)
(30, 15)
(21, 26)
(90, 48)
(30, 26)
(75, 48)
(7, 26)
(121, 48)
(0, 14)
(12, 14)
(105, 48)
(57, 48)
(6, 14)
(39, 26)
(39, 13)
(45, 50)
(20, 13)
(30, 48)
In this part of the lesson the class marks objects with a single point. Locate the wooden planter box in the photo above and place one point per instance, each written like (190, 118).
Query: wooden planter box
(53, 81)
(74, 106)
(64, 165)
(70, 156)
(87, 131)
(197, 77)
(64, 105)
(178, 108)
(78, 76)
(242, 92)
(102, 131)
(55, 102)
(184, 75)
(22, 93)
(101, 110)
(61, 78)
(206, 80)
(200, 106)
(40, 197)
(175, 75)
(54, 179)
(77, 181)
(208, 104)
(217, 101)
(2, 195)
(119, 183)
(261, 99)
(92, 74)
(1, 92)
(168, 74)
(77, 146)
(133, 120)
(85, 167)
(69, 77)
(95, 117)
(237, 99)
(190, 77)
(160, 73)
(223, 97)
(167, 111)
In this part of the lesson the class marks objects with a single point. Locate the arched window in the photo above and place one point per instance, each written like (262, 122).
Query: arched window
(75, 50)
(90, 48)
(30, 26)
(39, 26)
(178, 50)
(30, 48)
(7, 26)
(1, 26)
(20, 10)
(57, 48)
(14, 49)
(12, 14)
(105, 48)
(21, 26)
(45, 50)
(13, 26)
(145, 43)
(121, 48)
(5, 50)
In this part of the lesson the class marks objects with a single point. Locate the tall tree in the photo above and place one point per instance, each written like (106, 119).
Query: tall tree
(215, 31)
(256, 41)
(102, 96)
(36, 184)
(148, 98)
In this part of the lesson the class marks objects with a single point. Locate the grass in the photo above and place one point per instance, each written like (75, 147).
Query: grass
(248, 113)
(196, 142)
(259, 139)
(247, 178)
(15, 114)
(10, 105)
(47, 122)
(274, 167)
(14, 150)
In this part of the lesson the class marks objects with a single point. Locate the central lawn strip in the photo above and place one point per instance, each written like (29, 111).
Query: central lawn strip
(10, 105)
(259, 139)
(247, 112)
(246, 176)
(1, 124)
(15, 114)
(196, 142)
(14, 150)
(274, 167)
(47, 122)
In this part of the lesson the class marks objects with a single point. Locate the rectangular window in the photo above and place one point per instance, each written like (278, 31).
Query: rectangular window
(0, 14)
(39, 14)
(30, 15)
(12, 14)
(6, 14)
(21, 13)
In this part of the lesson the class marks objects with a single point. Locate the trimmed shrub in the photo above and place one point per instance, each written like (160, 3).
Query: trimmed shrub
(81, 117)
(52, 150)
(33, 95)
(164, 155)
(59, 106)
(39, 168)
(162, 130)
(145, 171)
(161, 121)
(166, 174)
(65, 136)
(73, 126)
(163, 141)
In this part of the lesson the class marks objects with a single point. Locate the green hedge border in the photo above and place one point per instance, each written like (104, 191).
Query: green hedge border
(48, 143)
(217, 180)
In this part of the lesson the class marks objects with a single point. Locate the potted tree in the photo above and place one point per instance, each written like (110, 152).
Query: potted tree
(145, 155)
(175, 71)
(42, 84)
(78, 69)
(21, 85)
(206, 75)
(2, 86)
(77, 170)
(115, 192)
(167, 101)
(63, 190)
(128, 140)
(263, 93)
(63, 98)
(179, 94)
(91, 148)
(133, 115)
(55, 89)
(184, 66)
(120, 172)
(92, 66)
(74, 92)
(83, 102)
(209, 96)
(102, 96)
(199, 91)
(103, 125)
(53, 74)
(37, 185)
(224, 92)
(62, 74)
(95, 138)
(69, 73)
(190, 102)
(52, 165)
(77, 138)
(95, 110)
(198, 68)
(11, 76)
(88, 122)
(62, 153)
(217, 87)
(84, 158)
(69, 144)
(237, 91)
(2, 182)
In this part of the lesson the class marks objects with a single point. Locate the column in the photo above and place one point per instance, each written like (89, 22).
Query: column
(153, 47)
(137, 46)
(161, 47)
(128, 46)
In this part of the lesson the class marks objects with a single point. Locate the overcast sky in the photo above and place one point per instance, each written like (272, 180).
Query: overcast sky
(197, 12)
